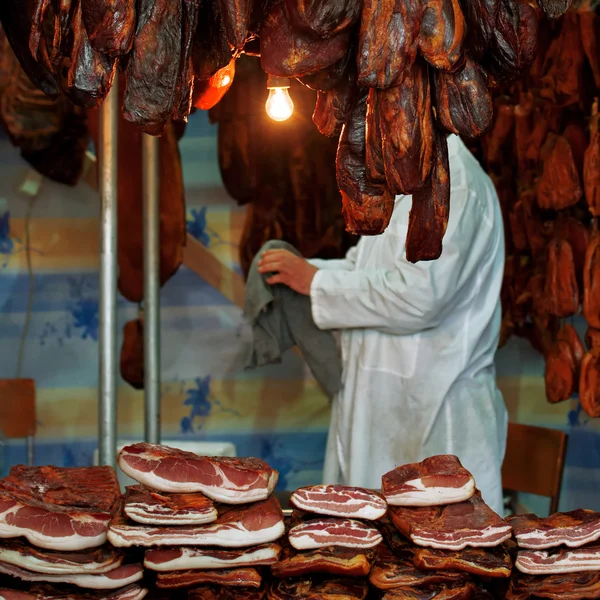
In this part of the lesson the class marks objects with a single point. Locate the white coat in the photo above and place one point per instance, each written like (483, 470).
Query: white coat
(418, 342)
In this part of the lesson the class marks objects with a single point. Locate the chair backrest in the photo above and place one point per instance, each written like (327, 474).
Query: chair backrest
(534, 462)
(17, 408)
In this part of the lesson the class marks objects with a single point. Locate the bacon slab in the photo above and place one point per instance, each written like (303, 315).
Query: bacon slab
(184, 559)
(117, 578)
(465, 591)
(320, 533)
(436, 481)
(92, 561)
(213, 592)
(488, 562)
(57, 508)
(340, 501)
(152, 508)
(50, 592)
(392, 571)
(231, 577)
(227, 480)
(452, 527)
(574, 586)
(343, 562)
(236, 527)
(573, 529)
(542, 562)
(309, 589)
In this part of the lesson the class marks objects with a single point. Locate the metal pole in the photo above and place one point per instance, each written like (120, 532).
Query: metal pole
(107, 338)
(151, 288)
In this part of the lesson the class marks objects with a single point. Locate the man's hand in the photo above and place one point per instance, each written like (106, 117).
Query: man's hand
(291, 270)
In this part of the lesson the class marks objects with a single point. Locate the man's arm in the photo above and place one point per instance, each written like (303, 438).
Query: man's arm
(408, 298)
(343, 264)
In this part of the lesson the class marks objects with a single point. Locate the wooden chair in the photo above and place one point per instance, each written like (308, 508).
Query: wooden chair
(17, 411)
(535, 461)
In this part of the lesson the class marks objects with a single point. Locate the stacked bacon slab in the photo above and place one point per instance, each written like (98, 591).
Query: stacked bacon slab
(209, 528)
(441, 538)
(557, 556)
(330, 544)
(204, 521)
(53, 530)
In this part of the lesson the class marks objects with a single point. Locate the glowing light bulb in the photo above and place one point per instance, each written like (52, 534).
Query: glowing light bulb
(279, 105)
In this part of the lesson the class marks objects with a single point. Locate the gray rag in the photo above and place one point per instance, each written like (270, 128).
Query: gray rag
(281, 319)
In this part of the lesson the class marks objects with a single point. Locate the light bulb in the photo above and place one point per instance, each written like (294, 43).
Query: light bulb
(280, 105)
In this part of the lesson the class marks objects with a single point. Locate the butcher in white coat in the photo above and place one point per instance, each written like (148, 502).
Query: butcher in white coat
(418, 340)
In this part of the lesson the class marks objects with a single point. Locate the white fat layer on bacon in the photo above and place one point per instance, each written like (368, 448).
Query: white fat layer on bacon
(140, 513)
(352, 507)
(422, 495)
(544, 540)
(92, 582)
(220, 493)
(230, 536)
(309, 542)
(541, 563)
(485, 538)
(68, 543)
(33, 563)
(193, 559)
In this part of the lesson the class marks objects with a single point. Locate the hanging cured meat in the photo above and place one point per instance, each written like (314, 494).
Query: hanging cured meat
(560, 185)
(132, 354)
(563, 68)
(91, 73)
(110, 25)
(286, 51)
(329, 78)
(481, 21)
(367, 207)
(211, 50)
(589, 22)
(442, 33)
(386, 44)
(560, 373)
(555, 8)
(236, 18)
(208, 93)
(16, 17)
(374, 154)
(591, 165)
(430, 209)
(464, 104)
(561, 290)
(406, 122)
(514, 39)
(324, 19)
(591, 283)
(589, 383)
(152, 75)
(333, 106)
(184, 88)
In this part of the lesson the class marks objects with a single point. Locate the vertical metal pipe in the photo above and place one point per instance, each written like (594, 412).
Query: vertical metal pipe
(107, 337)
(30, 450)
(151, 288)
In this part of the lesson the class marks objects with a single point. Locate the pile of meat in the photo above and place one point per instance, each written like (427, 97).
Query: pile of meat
(330, 544)
(558, 557)
(543, 153)
(442, 540)
(205, 522)
(393, 76)
(53, 537)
